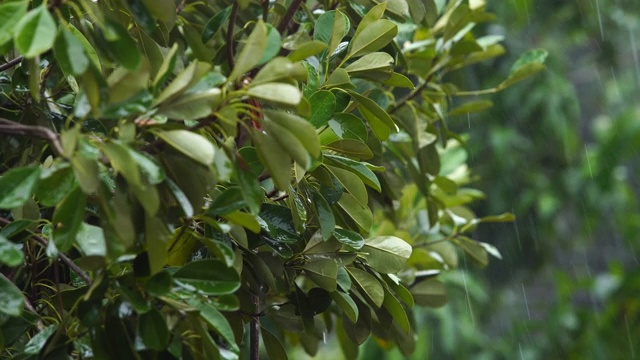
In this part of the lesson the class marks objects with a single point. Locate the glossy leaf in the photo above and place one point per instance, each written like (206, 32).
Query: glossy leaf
(17, 185)
(280, 93)
(67, 219)
(11, 13)
(11, 298)
(373, 37)
(252, 51)
(211, 277)
(218, 323)
(153, 330)
(323, 272)
(386, 254)
(368, 286)
(430, 293)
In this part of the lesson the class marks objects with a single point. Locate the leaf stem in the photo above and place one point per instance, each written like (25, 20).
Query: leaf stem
(254, 332)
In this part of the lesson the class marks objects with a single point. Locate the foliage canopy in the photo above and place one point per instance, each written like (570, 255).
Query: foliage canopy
(175, 174)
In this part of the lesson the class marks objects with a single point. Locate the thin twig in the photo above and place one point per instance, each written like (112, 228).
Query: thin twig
(265, 10)
(14, 128)
(232, 23)
(29, 306)
(68, 262)
(11, 63)
(286, 19)
(254, 332)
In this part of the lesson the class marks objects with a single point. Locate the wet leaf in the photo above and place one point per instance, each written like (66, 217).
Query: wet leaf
(17, 185)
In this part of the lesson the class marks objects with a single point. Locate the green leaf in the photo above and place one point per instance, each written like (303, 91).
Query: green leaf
(229, 200)
(55, 182)
(70, 53)
(280, 93)
(372, 38)
(338, 78)
(357, 167)
(369, 286)
(163, 10)
(396, 310)
(191, 106)
(289, 142)
(279, 223)
(122, 47)
(375, 13)
(330, 28)
(306, 50)
(275, 158)
(377, 61)
(166, 69)
(323, 104)
(215, 23)
(10, 14)
(399, 80)
(380, 121)
(252, 51)
(187, 78)
(17, 185)
(218, 323)
(153, 330)
(250, 188)
(89, 51)
(90, 240)
(361, 214)
(300, 128)
(211, 277)
(352, 183)
(528, 64)
(273, 44)
(35, 32)
(474, 249)
(430, 293)
(280, 69)
(11, 298)
(386, 254)
(325, 215)
(348, 126)
(274, 347)
(38, 342)
(323, 272)
(349, 238)
(67, 219)
(346, 304)
(243, 219)
(10, 253)
(191, 144)
(471, 107)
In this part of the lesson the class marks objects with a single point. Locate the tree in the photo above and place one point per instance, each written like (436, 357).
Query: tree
(178, 174)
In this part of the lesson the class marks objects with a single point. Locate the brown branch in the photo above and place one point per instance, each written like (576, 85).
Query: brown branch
(417, 91)
(265, 10)
(254, 332)
(14, 128)
(286, 19)
(68, 262)
(232, 23)
(11, 63)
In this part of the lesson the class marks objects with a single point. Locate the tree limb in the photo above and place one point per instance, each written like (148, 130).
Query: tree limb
(286, 19)
(11, 63)
(14, 128)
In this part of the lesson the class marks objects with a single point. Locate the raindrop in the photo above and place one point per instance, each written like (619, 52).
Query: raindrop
(324, 337)
(526, 303)
(466, 292)
(600, 19)
(588, 160)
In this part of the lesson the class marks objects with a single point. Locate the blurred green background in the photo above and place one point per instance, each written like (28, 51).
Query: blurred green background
(562, 152)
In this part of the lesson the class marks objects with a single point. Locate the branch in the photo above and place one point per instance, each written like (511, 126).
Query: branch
(11, 63)
(14, 128)
(68, 262)
(286, 19)
(232, 23)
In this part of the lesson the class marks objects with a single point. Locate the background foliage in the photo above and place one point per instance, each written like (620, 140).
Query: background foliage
(185, 179)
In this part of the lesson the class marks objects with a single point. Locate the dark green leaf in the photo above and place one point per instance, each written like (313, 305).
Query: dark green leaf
(252, 51)
(349, 238)
(325, 215)
(37, 343)
(17, 185)
(211, 277)
(323, 104)
(11, 298)
(67, 219)
(191, 144)
(373, 37)
(218, 323)
(153, 330)
(215, 23)
(396, 310)
(274, 347)
(122, 47)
